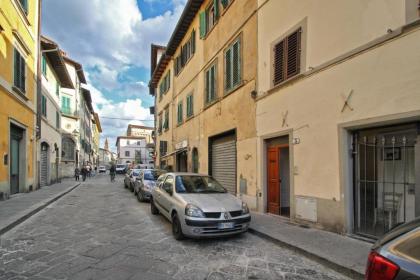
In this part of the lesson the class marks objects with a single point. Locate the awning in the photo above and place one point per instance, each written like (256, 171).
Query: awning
(175, 152)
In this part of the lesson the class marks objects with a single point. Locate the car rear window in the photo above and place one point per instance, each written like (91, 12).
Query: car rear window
(398, 231)
(409, 248)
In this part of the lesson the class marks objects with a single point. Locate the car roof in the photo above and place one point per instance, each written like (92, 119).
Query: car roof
(186, 174)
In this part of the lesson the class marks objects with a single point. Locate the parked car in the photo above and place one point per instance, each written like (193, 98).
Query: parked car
(146, 182)
(102, 169)
(198, 206)
(396, 255)
(130, 178)
(121, 169)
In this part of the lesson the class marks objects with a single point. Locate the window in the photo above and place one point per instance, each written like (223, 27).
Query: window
(44, 106)
(195, 160)
(190, 105)
(166, 122)
(138, 143)
(208, 18)
(163, 148)
(127, 153)
(67, 149)
(180, 113)
(165, 84)
(187, 51)
(211, 84)
(128, 142)
(44, 66)
(57, 119)
(286, 55)
(24, 5)
(160, 125)
(233, 66)
(19, 71)
(65, 105)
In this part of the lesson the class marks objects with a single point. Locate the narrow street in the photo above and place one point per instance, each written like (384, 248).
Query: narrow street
(100, 231)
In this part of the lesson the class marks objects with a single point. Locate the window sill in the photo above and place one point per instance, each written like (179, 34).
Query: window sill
(227, 8)
(189, 118)
(235, 88)
(20, 93)
(210, 104)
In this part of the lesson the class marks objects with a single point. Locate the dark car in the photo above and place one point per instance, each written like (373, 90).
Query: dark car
(396, 255)
(145, 182)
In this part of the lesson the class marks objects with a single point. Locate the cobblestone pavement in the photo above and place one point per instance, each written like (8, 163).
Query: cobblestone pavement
(100, 231)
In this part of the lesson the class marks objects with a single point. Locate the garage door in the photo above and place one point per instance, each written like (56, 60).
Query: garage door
(223, 162)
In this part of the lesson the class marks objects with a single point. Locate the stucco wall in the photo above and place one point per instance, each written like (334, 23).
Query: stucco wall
(385, 84)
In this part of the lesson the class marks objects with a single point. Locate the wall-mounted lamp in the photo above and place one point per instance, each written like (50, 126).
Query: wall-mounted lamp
(254, 94)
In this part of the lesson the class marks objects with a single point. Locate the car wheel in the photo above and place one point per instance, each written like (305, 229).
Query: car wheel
(176, 228)
(153, 208)
(140, 196)
(131, 188)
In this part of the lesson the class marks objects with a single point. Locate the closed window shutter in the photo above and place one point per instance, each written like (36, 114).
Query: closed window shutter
(17, 69)
(169, 81)
(203, 28)
(208, 86)
(44, 66)
(279, 62)
(236, 59)
(213, 82)
(293, 54)
(228, 78)
(225, 3)
(193, 42)
(22, 74)
(216, 8)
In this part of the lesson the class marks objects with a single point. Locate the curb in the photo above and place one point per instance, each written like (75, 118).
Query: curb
(35, 209)
(353, 274)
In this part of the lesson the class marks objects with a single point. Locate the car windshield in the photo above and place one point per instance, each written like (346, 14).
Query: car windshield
(152, 175)
(135, 173)
(197, 184)
(120, 166)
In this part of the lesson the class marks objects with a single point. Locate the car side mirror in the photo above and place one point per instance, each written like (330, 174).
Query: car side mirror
(168, 189)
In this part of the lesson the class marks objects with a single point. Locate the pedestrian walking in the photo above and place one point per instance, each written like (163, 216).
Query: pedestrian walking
(77, 173)
(112, 171)
(84, 173)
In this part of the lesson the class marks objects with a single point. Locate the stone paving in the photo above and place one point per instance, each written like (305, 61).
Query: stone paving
(100, 231)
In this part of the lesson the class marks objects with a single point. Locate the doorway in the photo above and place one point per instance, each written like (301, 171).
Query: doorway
(16, 136)
(182, 161)
(44, 164)
(385, 180)
(278, 176)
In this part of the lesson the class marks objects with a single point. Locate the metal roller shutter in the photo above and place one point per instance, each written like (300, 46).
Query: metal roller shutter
(44, 168)
(223, 162)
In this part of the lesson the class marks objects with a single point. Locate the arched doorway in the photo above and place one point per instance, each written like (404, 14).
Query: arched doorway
(195, 160)
(44, 176)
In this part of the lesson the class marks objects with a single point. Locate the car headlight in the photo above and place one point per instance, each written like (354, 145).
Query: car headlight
(147, 186)
(245, 209)
(193, 211)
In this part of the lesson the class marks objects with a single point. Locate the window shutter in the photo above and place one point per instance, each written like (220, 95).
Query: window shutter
(293, 54)
(193, 42)
(228, 78)
(22, 74)
(213, 82)
(278, 63)
(236, 62)
(44, 65)
(207, 86)
(203, 28)
(216, 8)
(16, 68)
(169, 80)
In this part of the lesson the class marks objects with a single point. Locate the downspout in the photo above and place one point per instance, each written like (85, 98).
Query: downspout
(38, 98)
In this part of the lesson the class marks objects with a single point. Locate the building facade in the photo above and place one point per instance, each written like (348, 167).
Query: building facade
(141, 131)
(96, 138)
(54, 77)
(203, 86)
(134, 150)
(19, 35)
(338, 113)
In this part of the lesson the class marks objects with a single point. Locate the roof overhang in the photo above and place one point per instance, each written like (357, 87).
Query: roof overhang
(97, 122)
(52, 51)
(79, 69)
(88, 99)
(190, 11)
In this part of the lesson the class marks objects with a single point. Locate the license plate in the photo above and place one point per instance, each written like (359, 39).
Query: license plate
(226, 225)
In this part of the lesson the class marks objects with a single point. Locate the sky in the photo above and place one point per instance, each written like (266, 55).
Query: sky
(111, 39)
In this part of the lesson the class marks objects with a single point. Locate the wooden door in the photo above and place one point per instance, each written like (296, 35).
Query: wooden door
(273, 178)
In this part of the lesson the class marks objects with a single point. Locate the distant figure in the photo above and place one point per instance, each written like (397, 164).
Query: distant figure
(88, 170)
(84, 173)
(112, 171)
(77, 173)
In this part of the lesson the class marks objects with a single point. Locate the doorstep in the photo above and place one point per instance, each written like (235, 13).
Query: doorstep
(345, 254)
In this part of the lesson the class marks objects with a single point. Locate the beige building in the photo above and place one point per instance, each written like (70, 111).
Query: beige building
(204, 85)
(338, 113)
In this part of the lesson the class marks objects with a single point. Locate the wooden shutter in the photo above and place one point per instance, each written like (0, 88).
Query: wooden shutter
(293, 54)
(208, 86)
(279, 63)
(203, 28)
(213, 82)
(236, 64)
(16, 68)
(216, 9)
(228, 66)
(22, 74)
(193, 42)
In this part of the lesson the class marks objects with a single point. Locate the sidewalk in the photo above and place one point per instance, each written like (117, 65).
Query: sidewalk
(342, 253)
(21, 206)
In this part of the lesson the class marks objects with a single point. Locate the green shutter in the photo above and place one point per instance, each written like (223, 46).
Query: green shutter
(213, 82)
(16, 68)
(236, 64)
(216, 8)
(44, 65)
(193, 42)
(207, 86)
(228, 73)
(203, 28)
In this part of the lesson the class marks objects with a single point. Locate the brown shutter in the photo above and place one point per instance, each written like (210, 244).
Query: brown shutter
(279, 62)
(293, 54)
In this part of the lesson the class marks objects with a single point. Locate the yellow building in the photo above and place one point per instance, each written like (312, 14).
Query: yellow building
(19, 34)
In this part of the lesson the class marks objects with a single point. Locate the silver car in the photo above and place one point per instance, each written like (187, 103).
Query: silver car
(146, 182)
(198, 206)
